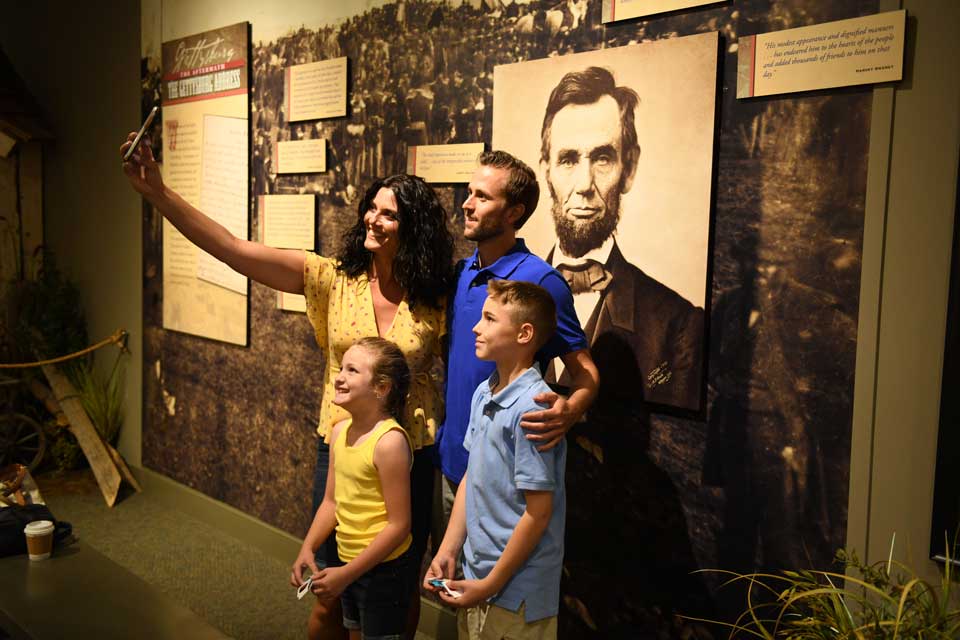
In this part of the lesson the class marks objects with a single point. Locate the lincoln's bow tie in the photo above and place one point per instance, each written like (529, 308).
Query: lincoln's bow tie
(589, 276)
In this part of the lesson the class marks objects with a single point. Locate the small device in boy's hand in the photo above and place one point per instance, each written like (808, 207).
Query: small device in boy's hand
(304, 589)
(442, 584)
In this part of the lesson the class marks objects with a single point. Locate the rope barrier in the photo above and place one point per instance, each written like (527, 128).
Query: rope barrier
(119, 337)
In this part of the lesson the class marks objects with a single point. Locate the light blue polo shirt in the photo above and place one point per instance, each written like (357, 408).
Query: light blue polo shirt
(503, 463)
(464, 370)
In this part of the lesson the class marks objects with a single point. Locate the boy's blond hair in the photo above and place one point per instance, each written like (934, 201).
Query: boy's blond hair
(529, 303)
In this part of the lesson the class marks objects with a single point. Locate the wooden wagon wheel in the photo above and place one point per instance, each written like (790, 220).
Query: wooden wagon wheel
(21, 441)
(22, 436)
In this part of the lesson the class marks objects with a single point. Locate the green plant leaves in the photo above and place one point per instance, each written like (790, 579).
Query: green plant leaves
(883, 601)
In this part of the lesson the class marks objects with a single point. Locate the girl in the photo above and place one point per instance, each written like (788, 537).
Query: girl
(367, 497)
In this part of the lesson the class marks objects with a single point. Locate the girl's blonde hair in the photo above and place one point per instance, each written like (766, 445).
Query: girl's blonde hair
(389, 367)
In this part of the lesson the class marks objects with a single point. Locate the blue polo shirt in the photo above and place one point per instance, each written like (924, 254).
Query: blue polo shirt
(464, 370)
(504, 464)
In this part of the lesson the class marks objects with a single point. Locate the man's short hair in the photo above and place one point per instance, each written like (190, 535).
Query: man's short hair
(529, 303)
(586, 87)
(522, 186)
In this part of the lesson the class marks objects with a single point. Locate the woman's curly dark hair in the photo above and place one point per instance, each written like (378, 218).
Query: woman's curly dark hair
(424, 262)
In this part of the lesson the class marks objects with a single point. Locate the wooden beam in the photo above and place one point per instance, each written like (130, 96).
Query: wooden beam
(94, 448)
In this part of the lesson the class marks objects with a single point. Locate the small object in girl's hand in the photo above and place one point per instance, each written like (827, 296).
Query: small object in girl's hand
(442, 584)
(304, 589)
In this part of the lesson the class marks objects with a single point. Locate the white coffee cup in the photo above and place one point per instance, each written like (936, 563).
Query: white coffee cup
(39, 539)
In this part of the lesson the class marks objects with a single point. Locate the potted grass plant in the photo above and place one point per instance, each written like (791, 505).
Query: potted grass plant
(881, 601)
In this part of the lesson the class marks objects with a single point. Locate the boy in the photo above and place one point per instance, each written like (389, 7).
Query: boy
(509, 511)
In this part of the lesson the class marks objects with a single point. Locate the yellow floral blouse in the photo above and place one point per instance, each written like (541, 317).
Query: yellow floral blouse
(340, 309)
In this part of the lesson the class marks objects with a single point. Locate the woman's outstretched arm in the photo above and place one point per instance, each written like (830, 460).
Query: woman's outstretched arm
(281, 269)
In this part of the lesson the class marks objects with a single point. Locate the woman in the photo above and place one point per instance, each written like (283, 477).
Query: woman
(389, 280)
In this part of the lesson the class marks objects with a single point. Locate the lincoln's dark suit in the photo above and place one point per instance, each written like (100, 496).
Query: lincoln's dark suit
(660, 328)
(647, 342)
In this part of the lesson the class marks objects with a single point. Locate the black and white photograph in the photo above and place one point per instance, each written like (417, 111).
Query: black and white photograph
(624, 147)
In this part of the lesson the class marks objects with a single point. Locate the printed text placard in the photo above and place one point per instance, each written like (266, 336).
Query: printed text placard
(833, 54)
(316, 90)
(287, 222)
(444, 162)
(301, 156)
(614, 10)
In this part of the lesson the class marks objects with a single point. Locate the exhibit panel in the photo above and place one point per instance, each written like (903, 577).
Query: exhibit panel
(764, 197)
(204, 112)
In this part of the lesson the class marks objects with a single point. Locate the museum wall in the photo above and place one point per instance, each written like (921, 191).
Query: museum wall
(83, 68)
(758, 479)
(788, 226)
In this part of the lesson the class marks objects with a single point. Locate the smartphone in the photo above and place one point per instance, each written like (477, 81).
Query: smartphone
(442, 584)
(143, 129)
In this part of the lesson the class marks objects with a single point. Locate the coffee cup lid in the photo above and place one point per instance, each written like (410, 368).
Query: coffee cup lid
(38, 528)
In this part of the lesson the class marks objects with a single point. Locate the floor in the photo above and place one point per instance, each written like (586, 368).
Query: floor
(235, 587)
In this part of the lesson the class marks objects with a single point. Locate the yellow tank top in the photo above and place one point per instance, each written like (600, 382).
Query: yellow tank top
(361, 512)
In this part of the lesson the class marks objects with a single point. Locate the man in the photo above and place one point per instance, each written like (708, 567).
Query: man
(646, 341)
(502, 195)
(589, 153)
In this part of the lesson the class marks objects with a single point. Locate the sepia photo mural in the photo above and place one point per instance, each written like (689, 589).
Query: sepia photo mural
(721, 437)
(623, 139)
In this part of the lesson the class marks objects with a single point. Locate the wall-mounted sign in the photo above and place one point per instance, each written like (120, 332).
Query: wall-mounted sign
(288, 222)
(443, 163)
(301, 156)
(316, 90)
(291, 302)
(614, 10)
(205, 111)
(833, 54)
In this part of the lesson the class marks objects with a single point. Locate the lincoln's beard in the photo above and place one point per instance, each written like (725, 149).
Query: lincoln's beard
(577, 236)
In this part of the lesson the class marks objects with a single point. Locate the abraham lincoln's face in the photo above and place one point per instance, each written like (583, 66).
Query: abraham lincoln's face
(586, 174)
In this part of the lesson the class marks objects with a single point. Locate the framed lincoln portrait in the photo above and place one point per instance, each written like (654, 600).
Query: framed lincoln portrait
(622, 140)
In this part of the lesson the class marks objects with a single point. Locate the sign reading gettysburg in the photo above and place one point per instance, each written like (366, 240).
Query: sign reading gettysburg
(206, 65)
